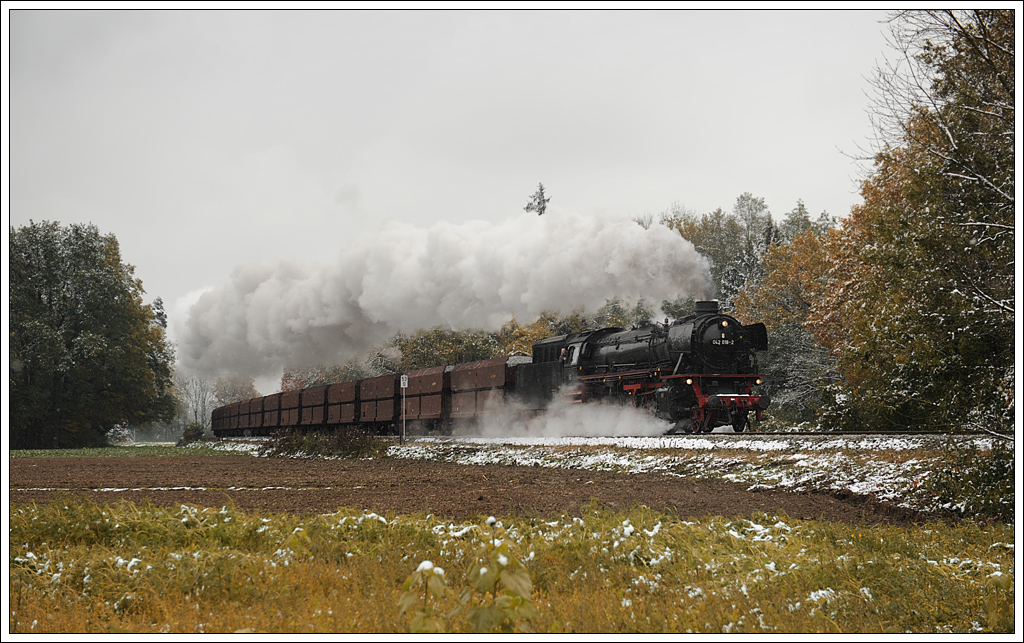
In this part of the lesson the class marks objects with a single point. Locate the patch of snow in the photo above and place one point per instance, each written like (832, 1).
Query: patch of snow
(790, 462)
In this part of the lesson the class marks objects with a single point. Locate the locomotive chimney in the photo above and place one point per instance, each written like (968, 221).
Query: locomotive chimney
(707, 307)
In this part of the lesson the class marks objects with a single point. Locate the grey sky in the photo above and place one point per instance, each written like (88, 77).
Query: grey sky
(205, 140)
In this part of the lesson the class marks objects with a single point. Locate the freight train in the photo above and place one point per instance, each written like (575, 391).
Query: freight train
(697, 373)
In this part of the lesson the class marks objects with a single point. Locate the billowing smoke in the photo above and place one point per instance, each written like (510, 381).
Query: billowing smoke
(404, 278)
(562, 419)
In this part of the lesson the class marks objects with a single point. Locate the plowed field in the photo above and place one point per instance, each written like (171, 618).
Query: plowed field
(458, 492)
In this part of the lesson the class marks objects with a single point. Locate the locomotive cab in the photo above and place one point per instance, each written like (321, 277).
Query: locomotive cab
(557, 363)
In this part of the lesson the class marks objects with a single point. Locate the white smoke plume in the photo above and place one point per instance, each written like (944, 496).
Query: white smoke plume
(562, 419)
(404, 278)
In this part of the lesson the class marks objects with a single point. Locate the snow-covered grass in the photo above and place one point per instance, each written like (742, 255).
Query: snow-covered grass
(117, 567)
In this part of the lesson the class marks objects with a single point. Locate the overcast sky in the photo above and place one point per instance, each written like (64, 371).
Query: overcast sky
(208, 140)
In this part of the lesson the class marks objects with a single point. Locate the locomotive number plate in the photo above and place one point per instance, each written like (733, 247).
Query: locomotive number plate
(723, 342)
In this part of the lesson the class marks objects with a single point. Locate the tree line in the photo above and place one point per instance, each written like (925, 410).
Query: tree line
(900, 314)
(912, 297)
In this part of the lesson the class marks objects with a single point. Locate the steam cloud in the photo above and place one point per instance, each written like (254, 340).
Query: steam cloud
(562, 419)
(403, 278)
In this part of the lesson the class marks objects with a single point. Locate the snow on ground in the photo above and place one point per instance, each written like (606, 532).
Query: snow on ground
(887, 467)
(796, 463)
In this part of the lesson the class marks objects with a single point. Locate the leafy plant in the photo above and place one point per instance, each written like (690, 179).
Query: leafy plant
(428, 579)
(497, 598)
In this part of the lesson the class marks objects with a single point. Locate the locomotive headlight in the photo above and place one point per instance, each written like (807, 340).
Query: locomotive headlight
(725, 322)
(689, 380)
(757, 381)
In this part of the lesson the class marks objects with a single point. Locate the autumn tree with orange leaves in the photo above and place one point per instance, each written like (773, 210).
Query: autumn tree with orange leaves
(796, 278)
(913, 297)
(919, 304)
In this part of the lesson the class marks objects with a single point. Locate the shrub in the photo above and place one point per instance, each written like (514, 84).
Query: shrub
(194, 432)
(976, 482)
(120, 435)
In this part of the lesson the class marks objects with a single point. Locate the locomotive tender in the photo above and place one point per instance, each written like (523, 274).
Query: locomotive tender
(698, 373)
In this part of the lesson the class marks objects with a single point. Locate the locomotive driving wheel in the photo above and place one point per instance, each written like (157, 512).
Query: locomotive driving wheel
(700, 426)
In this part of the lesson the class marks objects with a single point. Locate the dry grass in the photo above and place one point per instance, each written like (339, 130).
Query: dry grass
(86, 568)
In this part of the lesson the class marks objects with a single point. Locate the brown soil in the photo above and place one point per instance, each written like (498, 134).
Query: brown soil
(457, 492)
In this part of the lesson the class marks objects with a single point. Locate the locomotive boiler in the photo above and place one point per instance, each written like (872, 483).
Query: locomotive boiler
(698, 373)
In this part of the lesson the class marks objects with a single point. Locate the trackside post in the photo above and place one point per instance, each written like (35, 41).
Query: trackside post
(405, 385)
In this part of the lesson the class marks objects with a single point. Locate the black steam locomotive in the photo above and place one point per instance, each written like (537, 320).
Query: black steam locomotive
(698, 373)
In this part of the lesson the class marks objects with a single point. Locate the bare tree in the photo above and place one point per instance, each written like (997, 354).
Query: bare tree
(644, 220)
(196, 395)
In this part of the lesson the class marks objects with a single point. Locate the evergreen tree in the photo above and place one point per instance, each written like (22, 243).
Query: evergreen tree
(797, 220)
(823, 223)
(538, 202)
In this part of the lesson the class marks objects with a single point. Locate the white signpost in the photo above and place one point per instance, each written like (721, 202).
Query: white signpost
(405, 385)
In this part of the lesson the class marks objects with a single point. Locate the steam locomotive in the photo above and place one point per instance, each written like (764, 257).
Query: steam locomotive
(698, 373)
